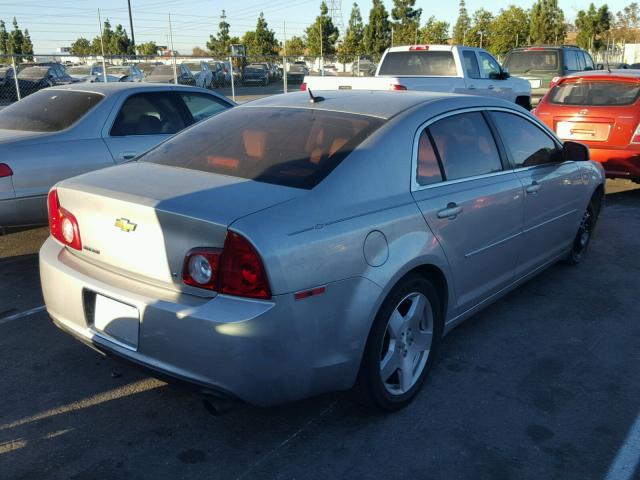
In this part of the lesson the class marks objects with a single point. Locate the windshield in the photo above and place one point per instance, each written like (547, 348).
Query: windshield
(33, 72)
(256, 143)
(48, 111)
(119, 70)
(162, 70)
(595, 93)
(430, 63)
(526, 61)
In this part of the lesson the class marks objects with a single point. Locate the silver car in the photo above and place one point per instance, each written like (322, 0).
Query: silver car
(289, 247)
(65, 131)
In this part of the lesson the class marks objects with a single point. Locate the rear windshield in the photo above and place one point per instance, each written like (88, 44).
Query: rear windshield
(526, 61)
(605, 93)
(431, 63)
(34, 72)
(48, 110)
(290, 147)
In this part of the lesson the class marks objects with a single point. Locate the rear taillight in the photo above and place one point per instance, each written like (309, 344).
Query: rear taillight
(236, 270)
(303, 87)
(5, 170)
(397, 86)
(414, 48)
(553, 81)
(635, 138)
(62, 224)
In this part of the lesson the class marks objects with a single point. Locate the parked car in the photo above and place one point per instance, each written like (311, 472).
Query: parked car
(218, 73)
(256, 73)
(543, 66)
(602, 110)
(147, 67)
(6, 80)
(126, 73)
(435, 68)
(166, 74)
(297, 71)
(31, 79)
(85, 73)
(63, 131)
(234, 72)
(268, 266)
(364, 68)
(202, 73)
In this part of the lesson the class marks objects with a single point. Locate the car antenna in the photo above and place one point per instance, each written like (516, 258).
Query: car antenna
(314, 99)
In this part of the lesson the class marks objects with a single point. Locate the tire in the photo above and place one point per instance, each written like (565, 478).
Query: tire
(524, 102)
(585, 233)
(400, 337)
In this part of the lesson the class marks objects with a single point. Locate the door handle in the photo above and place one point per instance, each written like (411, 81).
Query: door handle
(127, 155)
(534, 188)
(451, 212)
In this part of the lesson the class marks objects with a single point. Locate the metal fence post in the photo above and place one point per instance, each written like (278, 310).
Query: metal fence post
(284, 59)
(15, 75)
(233, 80)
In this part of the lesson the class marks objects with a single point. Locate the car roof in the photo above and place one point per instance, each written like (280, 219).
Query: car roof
(533, 48)
(111, 88)
(622, 72)
(373, 103)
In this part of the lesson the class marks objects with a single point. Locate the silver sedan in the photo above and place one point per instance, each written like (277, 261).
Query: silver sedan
(60, 132)
(293, 246)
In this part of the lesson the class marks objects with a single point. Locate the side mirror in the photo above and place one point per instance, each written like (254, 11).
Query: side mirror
(575, 151)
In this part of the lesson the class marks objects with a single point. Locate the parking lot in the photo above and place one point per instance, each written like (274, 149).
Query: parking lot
(542, 384)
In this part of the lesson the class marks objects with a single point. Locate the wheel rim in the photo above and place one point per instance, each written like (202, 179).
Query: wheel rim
(406, 343)
(584, 232)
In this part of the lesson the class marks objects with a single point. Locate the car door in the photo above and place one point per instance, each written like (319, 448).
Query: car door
(142, 121)
(490, 71)
(473, 81)
(553, 188)
(471, 201)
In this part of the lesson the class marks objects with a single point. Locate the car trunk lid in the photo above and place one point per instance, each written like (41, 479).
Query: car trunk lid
(141, 219)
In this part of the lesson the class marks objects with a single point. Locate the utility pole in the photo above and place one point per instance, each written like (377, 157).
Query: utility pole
(133, 38)
(104, 66)
(284, 63)
(173, 54)
(321, 59)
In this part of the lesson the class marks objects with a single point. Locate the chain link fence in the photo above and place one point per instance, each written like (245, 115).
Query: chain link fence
(250, 76)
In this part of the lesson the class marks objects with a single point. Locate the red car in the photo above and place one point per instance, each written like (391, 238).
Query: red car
(602, 110)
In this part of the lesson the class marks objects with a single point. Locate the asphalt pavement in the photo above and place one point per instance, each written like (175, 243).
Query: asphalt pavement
(543, 384)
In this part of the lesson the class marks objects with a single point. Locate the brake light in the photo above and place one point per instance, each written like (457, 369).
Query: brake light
(396, 86)
(5, 170)
(303, 87)
(236, 270)
(553, 81)
(636, 135)
(62, 224)
(414, 48)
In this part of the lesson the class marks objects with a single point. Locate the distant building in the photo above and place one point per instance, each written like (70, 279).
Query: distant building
(63, 50)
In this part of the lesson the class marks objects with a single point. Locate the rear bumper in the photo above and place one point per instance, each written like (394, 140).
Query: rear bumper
(261, 352)
(623, 163)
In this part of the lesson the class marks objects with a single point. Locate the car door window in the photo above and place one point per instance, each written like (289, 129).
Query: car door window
(202, 106)
(471, 64)
(580, 60)
(465, 146)
(489, 65)
(428, 168)
(588, 61)
(525, 142)
(570, 61)
(154, 113)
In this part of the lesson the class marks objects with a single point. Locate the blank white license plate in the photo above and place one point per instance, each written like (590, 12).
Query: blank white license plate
(535, 83)
(117, 320)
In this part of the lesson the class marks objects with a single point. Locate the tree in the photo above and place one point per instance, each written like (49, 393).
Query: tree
(81, 46)
(352, 45)
(509, 29)
(322, 32)
(435, 31)
(591, 25)
(295, 46)
(627, 23)
(547, 23)
(479, 35)
(148, 48)
(219, 45)
(406, 22)
(120, 43)
(15, 39)
(266, 42)
(27, 46)
(4, 38)
(377, 33)
(198, 52)
(462, 25)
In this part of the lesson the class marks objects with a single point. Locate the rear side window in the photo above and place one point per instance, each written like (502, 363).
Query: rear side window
(428, 170)
(430, 63)
(48, 110)
(525, 61)
(489, 65)
(526, 143)
(465, 145)
(471, 64)
(588, 61)
(291, 147)
(571, 61)
(154, 113)
(595, 93)
(202, 106)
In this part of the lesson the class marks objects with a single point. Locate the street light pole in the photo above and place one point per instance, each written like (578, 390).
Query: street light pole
(133, 38)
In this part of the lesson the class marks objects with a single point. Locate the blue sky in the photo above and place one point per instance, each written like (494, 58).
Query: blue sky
(57, 23)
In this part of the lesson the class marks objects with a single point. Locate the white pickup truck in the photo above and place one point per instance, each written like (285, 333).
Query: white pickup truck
(434, 68)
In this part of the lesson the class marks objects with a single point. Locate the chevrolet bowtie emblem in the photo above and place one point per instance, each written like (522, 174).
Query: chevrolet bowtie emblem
(125, 225)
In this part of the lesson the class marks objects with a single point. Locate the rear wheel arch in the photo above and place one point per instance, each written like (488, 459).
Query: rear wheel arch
(437, 277)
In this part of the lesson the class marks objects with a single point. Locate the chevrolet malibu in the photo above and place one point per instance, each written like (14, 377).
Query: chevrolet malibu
(315, 244)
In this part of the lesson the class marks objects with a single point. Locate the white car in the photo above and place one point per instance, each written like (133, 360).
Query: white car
(202, 72)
